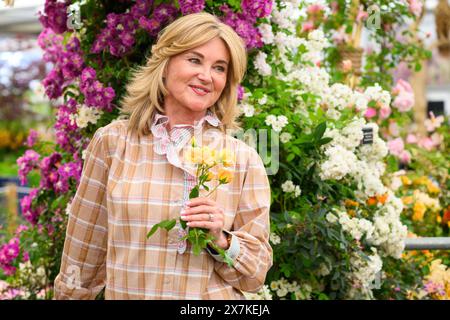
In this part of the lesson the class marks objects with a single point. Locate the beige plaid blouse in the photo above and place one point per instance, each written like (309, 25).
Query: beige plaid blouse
(128, 184)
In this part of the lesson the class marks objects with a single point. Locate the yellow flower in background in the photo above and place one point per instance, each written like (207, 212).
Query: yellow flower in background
(351, 203)
(225, 176)
(407, 200)
(432, 188)
(351, 213)
(419, 211)
(405, 180)
(421, 181)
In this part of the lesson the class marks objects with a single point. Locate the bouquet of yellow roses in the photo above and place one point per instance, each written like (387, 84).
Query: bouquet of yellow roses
(204, 159)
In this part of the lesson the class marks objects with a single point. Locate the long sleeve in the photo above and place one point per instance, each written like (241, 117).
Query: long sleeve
(250, 232)
(83, 273)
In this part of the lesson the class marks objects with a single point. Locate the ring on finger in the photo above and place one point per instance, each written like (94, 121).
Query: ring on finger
(211, 217)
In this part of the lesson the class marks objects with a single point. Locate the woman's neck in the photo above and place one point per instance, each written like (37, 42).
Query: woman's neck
(183, 116)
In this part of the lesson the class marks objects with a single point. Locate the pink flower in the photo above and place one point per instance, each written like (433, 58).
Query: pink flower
(370, 113)
(405, 156)
(411, 138)
(426, 143)
(434, 122)
(393, 129)
(402, 85)
(362, 15)
(307, 26)
(396, 147)
(415, 7)
(437, 139)
(340, 36)
(385, 112)
(314, 9)
(404, 101)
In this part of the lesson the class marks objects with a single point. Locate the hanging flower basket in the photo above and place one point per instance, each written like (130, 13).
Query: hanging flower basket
(354, 55)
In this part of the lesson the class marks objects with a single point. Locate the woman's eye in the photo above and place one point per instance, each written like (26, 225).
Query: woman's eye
(194, 60)
(220, 68)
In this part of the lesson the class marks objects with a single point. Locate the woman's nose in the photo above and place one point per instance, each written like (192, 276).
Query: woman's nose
(205, 75)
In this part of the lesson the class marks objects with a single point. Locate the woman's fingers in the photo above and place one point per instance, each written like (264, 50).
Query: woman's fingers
(201, 209)
(200, 201)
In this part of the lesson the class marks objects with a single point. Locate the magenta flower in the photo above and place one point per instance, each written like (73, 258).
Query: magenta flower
(257, 8)
(32, 138)
(191, 6)
(55, 15)
(94, 92)
(244, 27)
(240, 90)
(370, 113)
(26, 163)
(29, 213)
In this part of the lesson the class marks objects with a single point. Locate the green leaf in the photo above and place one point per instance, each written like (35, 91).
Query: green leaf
(320, 130)
(165, 224)
(290, 157)
(194, 192)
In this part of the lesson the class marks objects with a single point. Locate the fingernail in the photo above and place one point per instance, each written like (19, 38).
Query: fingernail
(183, 217)
(182, 211)
(188, 224)
(188, 203)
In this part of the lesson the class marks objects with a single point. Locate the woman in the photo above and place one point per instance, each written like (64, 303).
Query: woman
(134, 177)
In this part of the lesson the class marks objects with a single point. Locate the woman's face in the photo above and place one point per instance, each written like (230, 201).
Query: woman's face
(196, 78)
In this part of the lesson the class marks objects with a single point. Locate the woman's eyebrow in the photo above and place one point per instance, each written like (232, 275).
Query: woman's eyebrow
(202, 56)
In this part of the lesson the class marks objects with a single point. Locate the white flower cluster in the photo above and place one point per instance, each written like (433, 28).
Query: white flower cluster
(315, 46)
(340, 162)
(349, 137)
(312, 78)
(357, 228)
(282, 288)
(285, 137)
(377, 94)
(34, 276)
(274, 238)
(86, 115)
(261, 64)
(263, 294)
(276, 122)
(364, 275)
(266, 33)
(389, 233)
(289, 187)
(287, 15)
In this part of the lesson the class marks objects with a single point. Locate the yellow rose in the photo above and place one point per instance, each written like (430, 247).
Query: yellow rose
(193, 155)
(210, 176)
(419, 211)
(208, 156)
(225, 176)
(226, 157)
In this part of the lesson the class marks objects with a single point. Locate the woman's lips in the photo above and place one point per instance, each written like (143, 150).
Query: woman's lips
(199, 91)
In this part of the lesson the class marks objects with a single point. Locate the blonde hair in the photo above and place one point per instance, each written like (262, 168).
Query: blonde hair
(146, 90)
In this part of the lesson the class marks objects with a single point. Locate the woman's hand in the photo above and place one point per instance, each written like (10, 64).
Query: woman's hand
(205, 213)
